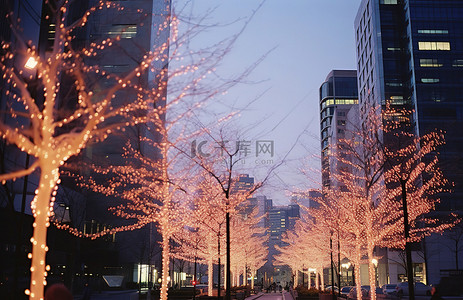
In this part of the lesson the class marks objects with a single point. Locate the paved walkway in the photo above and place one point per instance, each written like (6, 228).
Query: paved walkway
(271, 296)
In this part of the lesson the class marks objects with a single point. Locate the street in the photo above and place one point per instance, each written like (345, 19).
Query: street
(272, 296)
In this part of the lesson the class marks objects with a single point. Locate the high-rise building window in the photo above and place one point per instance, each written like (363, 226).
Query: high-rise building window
(388, 2)
(432, 31)
(397, 100)
(125, 31)
(430, 80)
(433, 46)
(430, 62)
(457, 63)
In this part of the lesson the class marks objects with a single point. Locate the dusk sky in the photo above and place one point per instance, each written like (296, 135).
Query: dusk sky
(310, 38)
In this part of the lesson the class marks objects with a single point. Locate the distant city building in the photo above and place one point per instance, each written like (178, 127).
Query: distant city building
(244, 183)
(409, 55)
(278, 221)
(337, 95)
(309, 200)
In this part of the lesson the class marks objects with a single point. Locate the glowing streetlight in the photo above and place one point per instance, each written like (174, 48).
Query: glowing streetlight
(374, 261)
(31, 63)
(346, 265)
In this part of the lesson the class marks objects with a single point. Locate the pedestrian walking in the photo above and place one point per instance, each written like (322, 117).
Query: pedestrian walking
(435, 293)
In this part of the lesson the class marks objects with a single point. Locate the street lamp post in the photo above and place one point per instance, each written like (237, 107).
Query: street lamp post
(347, 267)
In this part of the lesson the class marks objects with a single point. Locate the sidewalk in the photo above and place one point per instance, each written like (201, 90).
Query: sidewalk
(287, 296)
(256, 296)
(112, 295)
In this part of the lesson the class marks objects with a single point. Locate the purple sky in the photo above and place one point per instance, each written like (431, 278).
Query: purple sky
(311, 37)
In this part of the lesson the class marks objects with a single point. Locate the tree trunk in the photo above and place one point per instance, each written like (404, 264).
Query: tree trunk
(210, 273)
(296, 279)
(322, 279)
(358, 285)
(332, 268)
(317, 286)
(218, 265)
(253, 273)
(408, 250)
(227, 276)
(165, 265)
(371, 274)
(49, 176)
(339, 267)
(195, 282)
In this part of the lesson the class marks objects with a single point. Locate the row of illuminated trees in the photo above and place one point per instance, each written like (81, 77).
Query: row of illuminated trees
(193, 200)
(384, 189)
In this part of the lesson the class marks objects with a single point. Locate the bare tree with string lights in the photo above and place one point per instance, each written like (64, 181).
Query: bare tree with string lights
(81, 102)
(370, 191)
(55, 128)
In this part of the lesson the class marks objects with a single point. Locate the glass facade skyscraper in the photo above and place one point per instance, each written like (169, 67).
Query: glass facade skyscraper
(409, 54)
(337, 95)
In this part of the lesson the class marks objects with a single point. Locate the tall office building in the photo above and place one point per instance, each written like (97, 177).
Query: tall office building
(409, 55)
(338, 94)
(142, 26)
(278, 221)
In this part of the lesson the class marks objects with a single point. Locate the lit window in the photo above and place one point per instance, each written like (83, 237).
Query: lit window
(433, 31)
(430, 80)
(433, 45)
(123, 30)
(116, 68)
(388, 2)
(51, 32)
(457, 63)
(429, 62)
(395, 84)
(346, 101)
(397, 100)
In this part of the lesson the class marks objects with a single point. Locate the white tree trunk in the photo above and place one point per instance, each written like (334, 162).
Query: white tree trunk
(317, 283)
(358, 284)
(210, 274)
(372, 274)
(165, 266)
(252, 278)
(322, 279)
(296, 279)
(49, 176)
